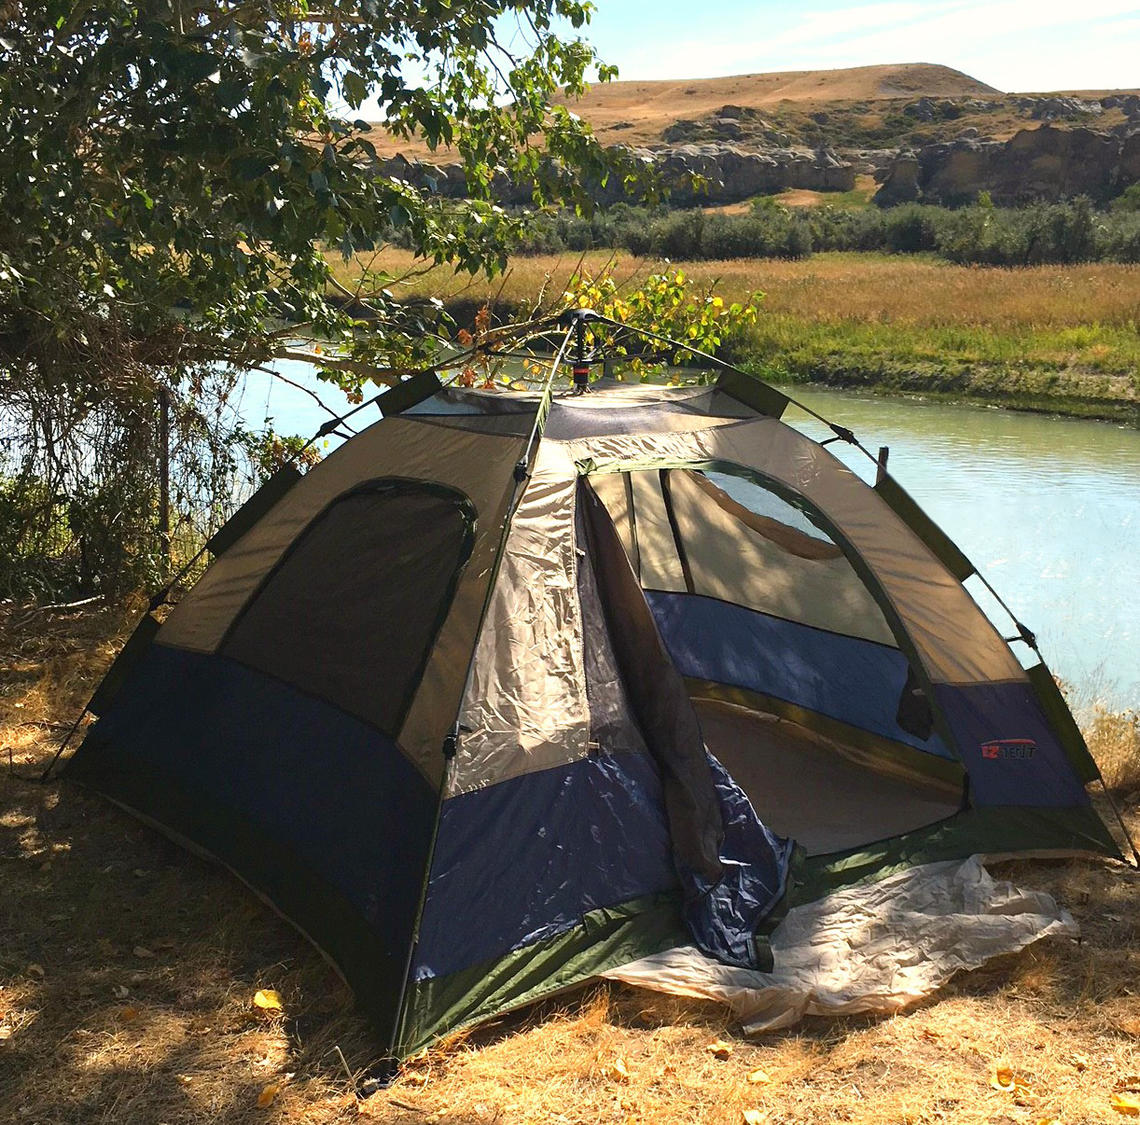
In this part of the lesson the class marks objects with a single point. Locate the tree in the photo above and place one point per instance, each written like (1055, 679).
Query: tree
(175, 170)
(174, 175)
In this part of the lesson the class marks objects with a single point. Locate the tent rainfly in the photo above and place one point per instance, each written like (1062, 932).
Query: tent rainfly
(514, 688)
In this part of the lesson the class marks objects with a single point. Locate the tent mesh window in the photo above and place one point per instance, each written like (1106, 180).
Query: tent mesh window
(350, 613)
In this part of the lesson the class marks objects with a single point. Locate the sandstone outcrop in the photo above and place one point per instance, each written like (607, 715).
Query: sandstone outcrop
(1047, 163)
(708, 173)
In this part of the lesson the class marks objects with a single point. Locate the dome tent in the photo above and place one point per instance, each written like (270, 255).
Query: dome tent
(514, 688)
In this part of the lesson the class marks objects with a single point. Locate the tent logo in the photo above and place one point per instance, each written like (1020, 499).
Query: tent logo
(1009, 749)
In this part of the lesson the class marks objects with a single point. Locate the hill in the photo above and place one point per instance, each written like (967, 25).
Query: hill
(639, 112)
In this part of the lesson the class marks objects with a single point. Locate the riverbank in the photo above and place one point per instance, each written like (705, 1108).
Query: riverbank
(1053, 339)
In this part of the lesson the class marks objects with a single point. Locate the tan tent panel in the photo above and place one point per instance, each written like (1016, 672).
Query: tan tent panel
(776, 569)
(660, 565)
(616, 492)
(526, 707)
(478, 465)
(955, 641)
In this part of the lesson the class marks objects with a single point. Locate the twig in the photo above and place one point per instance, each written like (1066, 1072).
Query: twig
(344, 1063)
(65, 605)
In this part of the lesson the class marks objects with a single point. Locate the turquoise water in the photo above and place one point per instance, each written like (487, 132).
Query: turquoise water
(1048, 509)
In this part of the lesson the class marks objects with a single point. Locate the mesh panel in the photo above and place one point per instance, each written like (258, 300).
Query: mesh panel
(351, 612)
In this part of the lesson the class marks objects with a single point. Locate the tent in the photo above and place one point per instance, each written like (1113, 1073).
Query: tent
(513, 688)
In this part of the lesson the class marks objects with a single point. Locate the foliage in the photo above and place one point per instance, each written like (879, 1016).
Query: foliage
(665, 304)
(174, 171)
(1128, 200)
(1039, 234)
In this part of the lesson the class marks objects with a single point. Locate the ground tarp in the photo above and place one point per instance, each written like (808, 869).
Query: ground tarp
(874, 947)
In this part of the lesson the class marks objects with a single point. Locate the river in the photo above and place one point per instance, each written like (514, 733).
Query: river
(1047, 508)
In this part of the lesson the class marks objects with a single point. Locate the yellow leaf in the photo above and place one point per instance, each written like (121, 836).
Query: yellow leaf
(1128, 1104)
(719, 1049)
(753, 1117)
(128, 1014)
(1002, 1078)
(759, 1077)
(268, 1093)
(267, 1000)
(617, 1071)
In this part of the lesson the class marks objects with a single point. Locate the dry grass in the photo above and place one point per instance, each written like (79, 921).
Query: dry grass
(127, 969)
(909, 290)
(1114, 739)
(1049, 337)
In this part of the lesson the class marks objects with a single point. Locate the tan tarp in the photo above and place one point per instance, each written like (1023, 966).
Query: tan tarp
(873, 947)
(479, 465)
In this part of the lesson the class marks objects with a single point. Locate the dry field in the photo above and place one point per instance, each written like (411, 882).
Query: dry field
(128, 970)
(1046, 337)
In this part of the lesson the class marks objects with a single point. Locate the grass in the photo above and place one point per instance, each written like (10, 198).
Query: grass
(127, 970)
(1059, 338)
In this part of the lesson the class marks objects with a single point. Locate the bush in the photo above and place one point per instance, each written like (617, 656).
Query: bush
(981, 234)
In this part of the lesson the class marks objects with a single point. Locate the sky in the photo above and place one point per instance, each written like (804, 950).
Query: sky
(1015, 45)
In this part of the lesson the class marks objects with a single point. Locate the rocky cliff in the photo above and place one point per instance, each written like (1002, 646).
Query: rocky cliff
(692, 174)
(1047, 163)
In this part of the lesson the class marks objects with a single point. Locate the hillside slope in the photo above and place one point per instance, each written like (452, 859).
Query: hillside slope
(642, 110)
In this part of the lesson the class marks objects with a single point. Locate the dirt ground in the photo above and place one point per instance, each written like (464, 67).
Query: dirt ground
(128, 971)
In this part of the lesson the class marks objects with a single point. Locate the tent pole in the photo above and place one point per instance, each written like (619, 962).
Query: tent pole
(1119, 819)
(390, 1066)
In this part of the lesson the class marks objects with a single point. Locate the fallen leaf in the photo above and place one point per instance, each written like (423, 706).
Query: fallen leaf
(1128, 1104)
(128, 1014)
(267, 1000)
(268, 1093)
(1128, 1082)
(930, 1033)
(753, 1117)
(1002, 1078)
(1081, 1062)
(759, 1077)
(5, 1032)
(617, 1071)
(719, 1049)
(183, 1079)
(142, 951)
(35, 970)
(121, 991)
